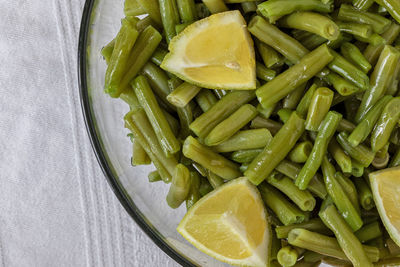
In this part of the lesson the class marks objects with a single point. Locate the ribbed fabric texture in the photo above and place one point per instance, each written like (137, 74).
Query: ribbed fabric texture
(56, 208)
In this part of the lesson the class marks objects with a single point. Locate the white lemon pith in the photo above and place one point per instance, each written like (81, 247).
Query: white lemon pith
(216, 53)
(230, 224)
(385, 186)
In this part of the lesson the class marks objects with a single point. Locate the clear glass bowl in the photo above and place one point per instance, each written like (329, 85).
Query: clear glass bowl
(144, 202)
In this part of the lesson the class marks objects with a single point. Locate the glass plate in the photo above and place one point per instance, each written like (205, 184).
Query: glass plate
(144, 201)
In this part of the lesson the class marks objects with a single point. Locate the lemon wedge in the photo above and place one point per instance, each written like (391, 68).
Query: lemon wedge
(216, 53)
(230, 224)
(385, 185)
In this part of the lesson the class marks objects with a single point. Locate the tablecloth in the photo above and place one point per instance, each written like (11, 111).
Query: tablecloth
(56, 208)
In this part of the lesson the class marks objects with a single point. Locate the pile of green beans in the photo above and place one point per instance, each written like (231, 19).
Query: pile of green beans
(325, 114)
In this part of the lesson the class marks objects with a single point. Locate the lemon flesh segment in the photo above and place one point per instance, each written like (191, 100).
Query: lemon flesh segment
(385, 187)
(216, 53)
(230, 224)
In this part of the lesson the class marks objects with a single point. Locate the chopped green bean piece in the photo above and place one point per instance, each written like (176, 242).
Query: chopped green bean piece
(325, 134)
(286, 212)
(216, 163)
(277, 150)
(246, 139)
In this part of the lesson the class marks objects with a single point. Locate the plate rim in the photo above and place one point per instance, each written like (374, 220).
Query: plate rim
(118, 190)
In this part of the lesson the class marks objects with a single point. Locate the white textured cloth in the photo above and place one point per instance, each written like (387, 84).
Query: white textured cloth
(56, 208)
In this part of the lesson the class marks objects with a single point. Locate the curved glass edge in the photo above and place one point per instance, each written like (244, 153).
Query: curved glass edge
(112, 180)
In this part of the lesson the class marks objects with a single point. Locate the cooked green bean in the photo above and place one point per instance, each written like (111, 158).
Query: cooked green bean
(168, 141)
(276, 245)
(183, 94)
(187, 10)
(363, 4)
(245, 156)
(107, 51)
(392, 6)
(291, 170)
(180, 186)
(388, 262)
(265, 113)
(372, 53)
(351, 246)
(394, 249)
(274, 9)
(185, 115)
(154, 176)
(303, 199)
(158, 81)
(146, 22)
(364, 193)
(139, 156)
(304, 104)
(357, 169)
(221, 110)
(116, 69)
(202, 11)
(301, 152)
(194, 191)
(205, 187)
(292, 100)
(137, 121)
(341, 158)
(205, 99)
(269, 56)
(325, 134)
(143, 49)
(214, 180)
(367, 124)
(216, 163)
(311, 22)
(387, 121)
(313, 41)
(264, 73)
(375, 39)
(249, 7)
(353, 54)
(276, 151)
(158, 56)
(169, 17)
(360, 153)
(314, 224)
(133, 8)
(337, 193)
(180, 27)
(346, 126)
(396, 159)
(378, 23)
(318, 108)
(274, 37)
(284, 114)
(368, 232)
(231, 125)
(259, 122)
(246, 139)
(286, 212)
(341, 85)
(393, 87)
(348, 71)
(313, 257)
(356, 29)
(220, 93)
(215, 6)
(287, 81)
(287, 256)
(325, 245)
(129, 97)
(349, 188)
